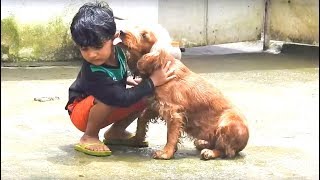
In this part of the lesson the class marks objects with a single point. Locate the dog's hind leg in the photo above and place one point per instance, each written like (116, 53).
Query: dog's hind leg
(207, 154)
(225, 145)
(219, 150)
(232, 136)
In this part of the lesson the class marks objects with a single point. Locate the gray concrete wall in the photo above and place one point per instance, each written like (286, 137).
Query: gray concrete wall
(185, 20)
(295, 21)
(205, 22)
(234, 21)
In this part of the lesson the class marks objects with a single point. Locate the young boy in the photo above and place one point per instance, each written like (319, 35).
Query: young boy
(99, 97)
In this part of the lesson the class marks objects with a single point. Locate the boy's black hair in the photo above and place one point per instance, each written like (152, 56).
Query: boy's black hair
(92, 25)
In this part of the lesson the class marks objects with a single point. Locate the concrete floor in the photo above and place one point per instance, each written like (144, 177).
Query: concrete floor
(278, 93)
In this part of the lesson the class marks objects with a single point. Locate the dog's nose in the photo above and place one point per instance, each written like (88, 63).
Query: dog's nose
(122, 33)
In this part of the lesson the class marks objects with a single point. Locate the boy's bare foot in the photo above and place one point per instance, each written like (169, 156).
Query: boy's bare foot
(94, 143)
(123, 138)
(114, 134)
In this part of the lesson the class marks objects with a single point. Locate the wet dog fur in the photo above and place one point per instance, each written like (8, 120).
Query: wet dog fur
(195, 106)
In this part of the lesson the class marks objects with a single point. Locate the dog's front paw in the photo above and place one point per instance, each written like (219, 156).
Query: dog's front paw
(160, 154)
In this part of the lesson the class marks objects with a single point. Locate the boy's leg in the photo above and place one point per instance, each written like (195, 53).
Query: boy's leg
(118, 129)
(96, 121)
(122, 118)
(90, 116)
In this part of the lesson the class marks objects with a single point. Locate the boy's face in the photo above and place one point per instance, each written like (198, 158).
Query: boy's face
(98, 56)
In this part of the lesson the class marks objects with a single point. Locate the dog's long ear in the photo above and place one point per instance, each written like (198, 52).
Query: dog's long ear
(152, 61)
(145, 64)
(163, 58)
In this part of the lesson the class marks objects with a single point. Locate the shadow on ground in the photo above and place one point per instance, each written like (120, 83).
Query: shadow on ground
(72, 157)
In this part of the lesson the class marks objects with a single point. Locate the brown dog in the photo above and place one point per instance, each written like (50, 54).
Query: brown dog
(197, 108)
(194, 107)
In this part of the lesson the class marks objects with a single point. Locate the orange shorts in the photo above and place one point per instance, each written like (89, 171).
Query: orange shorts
(79, 112)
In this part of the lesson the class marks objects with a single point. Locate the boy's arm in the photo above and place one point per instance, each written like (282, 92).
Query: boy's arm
(114, 93)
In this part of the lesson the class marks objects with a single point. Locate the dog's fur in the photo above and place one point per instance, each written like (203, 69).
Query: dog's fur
(187, 104)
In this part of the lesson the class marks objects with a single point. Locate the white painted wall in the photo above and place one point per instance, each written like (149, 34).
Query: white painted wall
(32, 11)
(137, 10)
(36, 11)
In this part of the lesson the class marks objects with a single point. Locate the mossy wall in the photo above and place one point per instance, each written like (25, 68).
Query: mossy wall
(36, 41)
(50, 40)
(295, 21)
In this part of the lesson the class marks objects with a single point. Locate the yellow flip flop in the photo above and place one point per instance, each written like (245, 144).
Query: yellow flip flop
(83, 148)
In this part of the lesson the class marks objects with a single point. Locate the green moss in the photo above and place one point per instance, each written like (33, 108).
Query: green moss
(9, 37)
(37, 42)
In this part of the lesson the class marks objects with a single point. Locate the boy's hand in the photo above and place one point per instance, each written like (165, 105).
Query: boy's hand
(133, 82)
(163, 75)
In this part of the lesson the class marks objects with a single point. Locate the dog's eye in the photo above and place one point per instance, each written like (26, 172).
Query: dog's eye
(144, 35)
